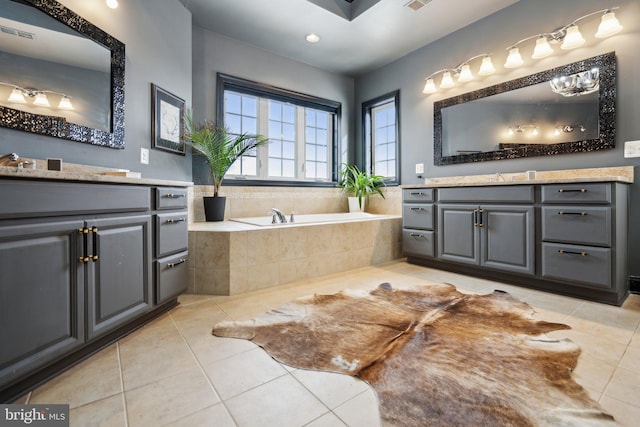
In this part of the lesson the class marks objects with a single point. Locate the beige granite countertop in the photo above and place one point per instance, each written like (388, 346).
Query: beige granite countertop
(622, 174)
(90, 174)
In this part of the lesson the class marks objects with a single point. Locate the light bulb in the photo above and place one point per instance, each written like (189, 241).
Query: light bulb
(465, 74)
(112, 3)
(41, 100)
(447, 81)
(17, 96)
(510, 132)
(429, 86)
(514, 59)
(534, 132)
(572, 39)
(542, 48)
(557, 131)
(65, 103)
(486, 67)
(609, 25)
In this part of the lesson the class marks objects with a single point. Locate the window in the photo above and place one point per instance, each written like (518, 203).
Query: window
(302, 132)
(382, 136)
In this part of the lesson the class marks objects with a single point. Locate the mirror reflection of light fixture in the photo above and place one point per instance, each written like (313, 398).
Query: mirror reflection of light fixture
(65, 103)
(522, 129)
(569, 36)
(41, 100)
(17, 96)
(578, 84)
(568, 129)
(39, 97)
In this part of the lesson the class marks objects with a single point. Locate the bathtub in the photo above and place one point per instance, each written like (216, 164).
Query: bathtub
(264, 221)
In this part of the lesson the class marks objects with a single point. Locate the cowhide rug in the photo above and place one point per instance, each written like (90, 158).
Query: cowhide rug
(435, 356)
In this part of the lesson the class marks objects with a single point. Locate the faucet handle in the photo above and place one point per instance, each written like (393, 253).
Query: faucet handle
(291, 218)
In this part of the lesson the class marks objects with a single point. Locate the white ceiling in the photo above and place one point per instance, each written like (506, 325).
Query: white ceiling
(381, 34)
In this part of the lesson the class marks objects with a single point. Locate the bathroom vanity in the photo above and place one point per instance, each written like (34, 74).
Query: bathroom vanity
(84, 259)
(564, 231)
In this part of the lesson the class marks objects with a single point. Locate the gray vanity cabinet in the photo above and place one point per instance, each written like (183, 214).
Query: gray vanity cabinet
(41, 295)
(418, 223)
(494, 236)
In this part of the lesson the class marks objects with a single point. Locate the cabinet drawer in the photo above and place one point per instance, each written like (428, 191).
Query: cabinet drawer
(172, 277)
(577, 193)
(508, 193)
(589, 225)
(171, 233)
(418, 243)
(415, 215)
(582, 264)
(417, 195)
(171, 197)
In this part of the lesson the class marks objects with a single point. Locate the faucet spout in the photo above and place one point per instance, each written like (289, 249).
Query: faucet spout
(7, 158)
(281, 217)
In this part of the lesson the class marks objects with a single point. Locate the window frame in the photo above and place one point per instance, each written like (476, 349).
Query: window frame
(367, 140)
(262, 90)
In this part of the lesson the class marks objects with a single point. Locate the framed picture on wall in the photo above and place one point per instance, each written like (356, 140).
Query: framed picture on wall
(167, 115)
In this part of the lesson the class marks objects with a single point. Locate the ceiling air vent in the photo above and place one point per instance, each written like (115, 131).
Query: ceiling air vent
(416, 4)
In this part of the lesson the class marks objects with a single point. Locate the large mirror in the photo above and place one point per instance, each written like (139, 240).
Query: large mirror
(568, 109)
(60, 75)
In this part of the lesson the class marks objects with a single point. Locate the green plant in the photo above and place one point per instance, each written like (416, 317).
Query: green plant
(219, 147)
(360, 184)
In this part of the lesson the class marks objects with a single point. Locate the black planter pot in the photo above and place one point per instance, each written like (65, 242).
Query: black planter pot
(214, 208)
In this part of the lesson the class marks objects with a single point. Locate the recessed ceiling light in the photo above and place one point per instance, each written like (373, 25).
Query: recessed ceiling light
(112, 3)
(312, 38)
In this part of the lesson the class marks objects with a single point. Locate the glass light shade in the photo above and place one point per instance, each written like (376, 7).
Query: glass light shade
(429, 86)
(556, 132)
(609, 25)
(510, 131)
(542, 48)
(534, 132)
(447, 81)
(112, 3)
(486, 67)
(41, 100)
(465, 74)
(572, 39)
(514, 59)
(65, 103)
(17, 96)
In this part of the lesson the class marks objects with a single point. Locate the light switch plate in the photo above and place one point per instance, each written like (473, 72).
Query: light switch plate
(419, 167)
(144, 156)
(632, 149)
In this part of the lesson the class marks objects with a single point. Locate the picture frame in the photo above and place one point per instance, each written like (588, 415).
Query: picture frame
(167, 121)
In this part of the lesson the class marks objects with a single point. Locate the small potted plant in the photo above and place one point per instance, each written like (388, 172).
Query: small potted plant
(221, 149)
(359, 186)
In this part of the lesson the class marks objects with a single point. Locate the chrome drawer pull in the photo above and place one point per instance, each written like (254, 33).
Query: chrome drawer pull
(419, 193)
(572, 213)
(416, 235)
(177, 263)
(582, 190)
(173, 196)
(562, 251)
(175, 220)
(417, 209)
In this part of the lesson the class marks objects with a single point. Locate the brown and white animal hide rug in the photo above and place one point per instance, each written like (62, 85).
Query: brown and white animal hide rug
(435, 356)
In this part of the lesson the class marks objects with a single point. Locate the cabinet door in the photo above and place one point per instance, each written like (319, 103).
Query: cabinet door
(41, 295)
(457, 234)
(508, 238)
(119, 280)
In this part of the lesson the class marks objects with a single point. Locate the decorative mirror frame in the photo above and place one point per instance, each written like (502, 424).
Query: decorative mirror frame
(607, 114)
(59, 127)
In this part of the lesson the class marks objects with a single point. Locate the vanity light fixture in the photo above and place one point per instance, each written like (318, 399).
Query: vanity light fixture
(112, 3)
(39, 97)
(568, 129)
(569, 35)
(522, 129)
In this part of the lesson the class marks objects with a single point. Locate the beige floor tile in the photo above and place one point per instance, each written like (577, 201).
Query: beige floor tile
(169, 399)
(625, 414)
(331, 388)
(599, 347)
(283, 402)
(242, 372)
(605, 320)
(327, 420)
(216, 415)
(91, 380)
(107, 412)
(209, 349)
(593, 373)
(624, 386)
(22, 400)
(630, 360)
(361, 411)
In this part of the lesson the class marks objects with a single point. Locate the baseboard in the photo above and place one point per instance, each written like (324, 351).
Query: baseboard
(634, 284)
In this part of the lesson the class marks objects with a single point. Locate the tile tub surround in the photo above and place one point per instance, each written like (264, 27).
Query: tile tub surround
(245, 202)
(227, 258)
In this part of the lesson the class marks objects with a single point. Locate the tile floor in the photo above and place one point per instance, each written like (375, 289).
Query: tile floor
(174, 372)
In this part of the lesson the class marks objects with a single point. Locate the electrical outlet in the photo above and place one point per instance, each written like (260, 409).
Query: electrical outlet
(632, 149)
(144, 156)
(419, 167)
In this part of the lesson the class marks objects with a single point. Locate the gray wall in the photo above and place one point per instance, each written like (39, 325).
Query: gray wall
(157, 36)
(494, 34)
(213, 53)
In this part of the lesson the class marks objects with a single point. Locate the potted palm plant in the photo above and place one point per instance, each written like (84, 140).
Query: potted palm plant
(359, 186)
(221, 149)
